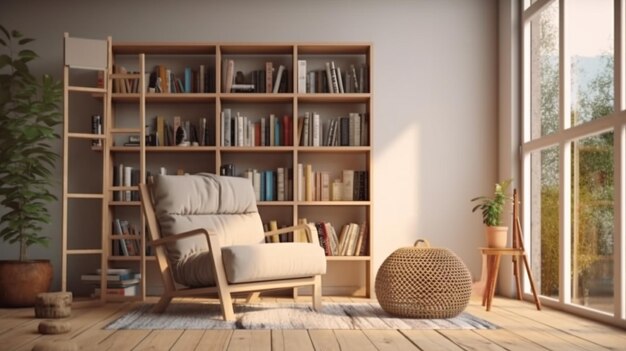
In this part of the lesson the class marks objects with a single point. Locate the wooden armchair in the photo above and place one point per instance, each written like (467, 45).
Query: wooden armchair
(208, 238)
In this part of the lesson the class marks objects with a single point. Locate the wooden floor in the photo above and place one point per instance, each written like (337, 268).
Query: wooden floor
(523, 328)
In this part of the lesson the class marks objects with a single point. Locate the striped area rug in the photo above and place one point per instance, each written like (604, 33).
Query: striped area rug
(286, 316)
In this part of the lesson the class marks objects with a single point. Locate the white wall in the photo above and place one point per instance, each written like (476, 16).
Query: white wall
(435, 84)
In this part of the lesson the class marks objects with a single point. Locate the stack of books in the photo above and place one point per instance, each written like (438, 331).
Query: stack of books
(120, 281)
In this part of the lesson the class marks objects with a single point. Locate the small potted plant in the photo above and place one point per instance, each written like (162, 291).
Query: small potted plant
(29, 112)
(492, 208)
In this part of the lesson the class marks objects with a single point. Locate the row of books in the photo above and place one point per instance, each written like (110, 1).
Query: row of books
(278, 185)
(333, 79)
(120, 281)
(272, 185)
(126, 176)
(126, 246)
(163, 80)
(268, 80)
(179, 132)
(317, 186)
(341, 131)
(240, 130)
(352, 240)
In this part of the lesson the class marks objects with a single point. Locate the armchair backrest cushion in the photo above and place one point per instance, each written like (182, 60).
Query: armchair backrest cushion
(223, 205)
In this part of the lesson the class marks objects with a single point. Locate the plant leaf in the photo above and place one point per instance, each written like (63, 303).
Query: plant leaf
(6, 32)
(25, 41)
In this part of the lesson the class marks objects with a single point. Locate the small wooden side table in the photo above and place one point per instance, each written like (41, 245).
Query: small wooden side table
(493, 256)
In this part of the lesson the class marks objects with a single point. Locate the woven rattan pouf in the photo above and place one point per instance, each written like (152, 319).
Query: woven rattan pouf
(423, 282)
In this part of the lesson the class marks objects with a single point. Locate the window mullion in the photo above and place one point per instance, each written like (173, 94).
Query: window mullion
(565, 172)
(619, 162)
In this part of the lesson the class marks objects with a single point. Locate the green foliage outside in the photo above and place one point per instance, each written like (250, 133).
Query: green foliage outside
(592, 170)
(29, 112)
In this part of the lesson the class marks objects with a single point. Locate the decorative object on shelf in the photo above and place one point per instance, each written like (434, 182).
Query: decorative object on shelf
(29, 112)
(492, 208)
(423, 282)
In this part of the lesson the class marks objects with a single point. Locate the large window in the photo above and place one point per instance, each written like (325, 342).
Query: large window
(574, 136)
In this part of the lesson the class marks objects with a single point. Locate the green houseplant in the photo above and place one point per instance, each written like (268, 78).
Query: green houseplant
(29, 112)
(492, 208)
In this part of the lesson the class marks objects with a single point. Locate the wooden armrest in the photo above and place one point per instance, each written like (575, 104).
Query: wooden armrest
(312, 238)
(179, 236)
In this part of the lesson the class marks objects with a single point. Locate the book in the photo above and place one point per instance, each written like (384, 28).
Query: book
(362, 244)
(302, 81)
(111, 277)
(269, 74)
(340, 81)
(96, 128)
(128, 182)
(279, 76)
(348, 185)
(230, 76)
(333, 77)
(131, 290)
(115, 270)
(329, 79)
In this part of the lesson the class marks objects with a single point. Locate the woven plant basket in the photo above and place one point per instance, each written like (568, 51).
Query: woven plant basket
(423, 282)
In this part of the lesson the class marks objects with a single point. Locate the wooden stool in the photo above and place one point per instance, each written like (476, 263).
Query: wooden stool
(493, 256)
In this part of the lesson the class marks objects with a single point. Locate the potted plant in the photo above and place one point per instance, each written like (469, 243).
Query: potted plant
(492, 207)
(29, 112)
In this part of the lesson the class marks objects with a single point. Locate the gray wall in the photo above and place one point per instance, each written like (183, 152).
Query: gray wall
(435, 85)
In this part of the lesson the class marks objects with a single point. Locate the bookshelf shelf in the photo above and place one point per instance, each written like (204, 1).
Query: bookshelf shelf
(131, 103)
(165, 97)
(334, 149)
(333, 203)
(348, 258)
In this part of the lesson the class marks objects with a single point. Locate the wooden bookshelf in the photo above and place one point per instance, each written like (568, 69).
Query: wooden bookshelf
(128, 112)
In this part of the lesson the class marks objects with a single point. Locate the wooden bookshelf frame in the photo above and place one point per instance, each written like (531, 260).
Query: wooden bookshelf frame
(216, 153)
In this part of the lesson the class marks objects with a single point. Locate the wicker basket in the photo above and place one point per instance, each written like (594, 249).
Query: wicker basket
(423, 282)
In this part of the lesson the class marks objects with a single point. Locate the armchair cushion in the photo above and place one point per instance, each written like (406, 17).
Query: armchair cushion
(252, 263)
(223, 205)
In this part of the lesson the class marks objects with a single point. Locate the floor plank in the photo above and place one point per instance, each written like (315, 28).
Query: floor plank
(121, 340)
(324, 340)
(469, 340)
(189, 340)
(250, 340)
(546, 335)
(389, 340)
(286, 340)
(159, 340)
(521, 328)
(350, 340)
(215, 340)
(430, 340)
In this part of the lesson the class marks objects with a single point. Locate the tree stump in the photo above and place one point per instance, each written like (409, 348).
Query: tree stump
(53, 305)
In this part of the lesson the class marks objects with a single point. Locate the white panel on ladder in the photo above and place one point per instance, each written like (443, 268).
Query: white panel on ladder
(86, 53)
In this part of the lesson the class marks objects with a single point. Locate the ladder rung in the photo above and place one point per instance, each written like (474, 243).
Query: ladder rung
(86, 89)
(84, 196)
(86, 136)
(84, 252)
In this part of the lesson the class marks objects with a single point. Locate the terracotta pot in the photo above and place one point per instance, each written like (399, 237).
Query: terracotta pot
(20, 282)
(497, 236)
